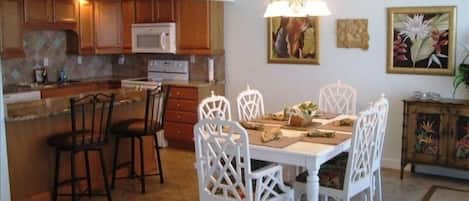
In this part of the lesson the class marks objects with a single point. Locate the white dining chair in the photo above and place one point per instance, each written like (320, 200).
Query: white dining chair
(250, 104)
(224, 168)
(214, 107)
(338, 98)
(348, 174)
(382, 106)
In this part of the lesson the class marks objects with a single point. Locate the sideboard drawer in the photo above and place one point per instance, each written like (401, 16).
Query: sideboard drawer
(178, 131)
(182, 105)
(182, 117)
(183, 93)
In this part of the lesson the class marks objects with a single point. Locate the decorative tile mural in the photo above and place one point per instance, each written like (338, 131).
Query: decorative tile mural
(52, 44)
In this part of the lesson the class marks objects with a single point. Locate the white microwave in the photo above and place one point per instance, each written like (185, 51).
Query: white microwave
(154, 38)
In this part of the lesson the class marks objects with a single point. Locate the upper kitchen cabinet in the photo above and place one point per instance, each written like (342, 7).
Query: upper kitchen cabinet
(199, 27)
(128, 13)
(154, 11)
(50, 14)
(108, 26)
(11, 31)
(83, 42)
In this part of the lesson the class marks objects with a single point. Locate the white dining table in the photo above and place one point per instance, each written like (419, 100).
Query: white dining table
(303, 154)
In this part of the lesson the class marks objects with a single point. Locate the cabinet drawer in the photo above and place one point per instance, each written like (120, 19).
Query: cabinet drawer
(182, 117)
(183, 93)
(178, 131)
(182, 105)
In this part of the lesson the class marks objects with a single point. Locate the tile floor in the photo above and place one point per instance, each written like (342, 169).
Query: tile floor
(181, 183)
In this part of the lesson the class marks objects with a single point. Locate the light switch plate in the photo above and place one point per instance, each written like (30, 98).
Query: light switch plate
(46, 61)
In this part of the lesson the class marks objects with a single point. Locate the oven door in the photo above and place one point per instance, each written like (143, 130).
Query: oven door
(150, 40)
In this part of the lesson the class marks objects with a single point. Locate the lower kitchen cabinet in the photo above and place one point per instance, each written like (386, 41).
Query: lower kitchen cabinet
(436, 133)
(181, 112)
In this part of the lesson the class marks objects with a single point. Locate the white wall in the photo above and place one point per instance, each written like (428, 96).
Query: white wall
(246, 56)
(4, 181)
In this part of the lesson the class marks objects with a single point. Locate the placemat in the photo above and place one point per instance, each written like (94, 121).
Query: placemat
(255, 138)
(331, 126)
(326, 116)
(339, 138)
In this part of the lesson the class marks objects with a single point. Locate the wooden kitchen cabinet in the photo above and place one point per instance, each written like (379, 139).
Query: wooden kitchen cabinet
(11, 33)
(37, 12)
(86, 32)
(66, 11)
(128, 13)
(154, 11)
(50, 14)
(108, 26)
(200, 27)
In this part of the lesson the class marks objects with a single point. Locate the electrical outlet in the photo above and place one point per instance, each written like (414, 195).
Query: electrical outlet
(79, 60)
(192, 59)
(46, 61)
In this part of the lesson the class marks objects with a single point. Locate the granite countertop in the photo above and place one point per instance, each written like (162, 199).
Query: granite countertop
(192, 83)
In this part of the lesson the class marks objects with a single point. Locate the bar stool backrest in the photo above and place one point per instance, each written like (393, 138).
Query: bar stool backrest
(154, 109)
(91, 118)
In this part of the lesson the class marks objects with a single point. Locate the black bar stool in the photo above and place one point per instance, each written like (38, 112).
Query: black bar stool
(133, 129)
(91, 120)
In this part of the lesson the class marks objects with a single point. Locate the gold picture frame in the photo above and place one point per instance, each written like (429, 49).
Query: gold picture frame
(299, 43)
(421, 40)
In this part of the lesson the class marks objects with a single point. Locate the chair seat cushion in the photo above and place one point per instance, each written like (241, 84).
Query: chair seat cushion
(83, 138)
(132, 127)
(331, 174)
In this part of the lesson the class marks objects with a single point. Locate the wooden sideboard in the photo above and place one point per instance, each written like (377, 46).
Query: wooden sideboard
(435, 133)
(181, 112)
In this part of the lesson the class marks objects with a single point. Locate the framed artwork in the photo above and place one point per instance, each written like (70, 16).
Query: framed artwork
(293, 40)
(353, 33)
(421, 40)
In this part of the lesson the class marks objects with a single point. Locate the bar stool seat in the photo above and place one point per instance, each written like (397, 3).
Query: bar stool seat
(136, 129)
(133, 127)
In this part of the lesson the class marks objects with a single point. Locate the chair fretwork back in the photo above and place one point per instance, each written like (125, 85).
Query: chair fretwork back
(91, 115)
(154, 109)
(338, 98)
(250, 105)
(214, 107)
(382, 106)
(223, 161)
(360, 158)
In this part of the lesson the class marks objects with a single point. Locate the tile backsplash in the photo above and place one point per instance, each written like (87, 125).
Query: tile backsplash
(52, 44)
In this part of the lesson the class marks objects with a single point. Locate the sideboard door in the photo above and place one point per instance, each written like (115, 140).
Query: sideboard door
(427, 134)
(458, 145)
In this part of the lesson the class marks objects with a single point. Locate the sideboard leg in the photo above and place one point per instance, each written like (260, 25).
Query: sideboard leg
(402, 171)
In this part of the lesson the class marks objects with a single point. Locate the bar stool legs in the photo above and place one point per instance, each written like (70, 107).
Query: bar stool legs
(56, 175)
(132, 174)
(73, 173)
(88, 173)
(108, 191)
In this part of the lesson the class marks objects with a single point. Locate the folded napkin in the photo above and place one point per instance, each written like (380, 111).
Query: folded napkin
(251, 125)
(271, 134)
(317, 133)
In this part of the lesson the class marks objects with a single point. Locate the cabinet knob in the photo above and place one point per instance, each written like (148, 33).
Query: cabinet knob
(178, 93)
(178, 105)
(178, 132)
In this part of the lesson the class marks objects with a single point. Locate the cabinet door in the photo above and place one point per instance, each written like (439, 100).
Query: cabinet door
(12, 44)
(164, 11)
(38, 11)
(65, 11)
(128, 12)
(427, 134)
(458, 144)
(108, 26)
(144, 11)
(86, 27)
(193, 25)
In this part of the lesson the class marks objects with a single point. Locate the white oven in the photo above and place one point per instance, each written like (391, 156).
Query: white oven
(154, 38)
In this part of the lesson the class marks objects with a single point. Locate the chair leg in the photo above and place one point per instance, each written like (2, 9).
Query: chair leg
(88, 173)
(106, 184)
(160, 166)
(378, 188)
(142, 166)
(114, 163)
(56, 175)
(132, 158)
(73, 173)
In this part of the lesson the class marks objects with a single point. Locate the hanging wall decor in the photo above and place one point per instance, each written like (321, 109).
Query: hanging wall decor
(293, 40)
(421, 40)
(353, 33)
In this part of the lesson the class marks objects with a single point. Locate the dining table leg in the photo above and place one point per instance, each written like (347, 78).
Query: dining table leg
(312, 184)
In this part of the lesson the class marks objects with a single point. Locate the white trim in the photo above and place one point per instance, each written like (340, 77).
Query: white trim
(4, 177)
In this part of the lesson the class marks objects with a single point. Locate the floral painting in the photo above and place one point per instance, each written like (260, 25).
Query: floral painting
(462, 138)
(293, 40)
(421, 40)
(428, 133)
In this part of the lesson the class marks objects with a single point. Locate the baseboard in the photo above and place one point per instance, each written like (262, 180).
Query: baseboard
(426, 169)
(390, 163)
